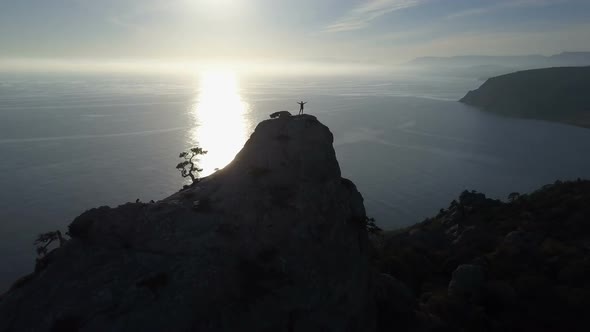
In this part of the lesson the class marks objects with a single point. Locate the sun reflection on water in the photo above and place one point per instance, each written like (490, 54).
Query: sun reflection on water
(219, 115)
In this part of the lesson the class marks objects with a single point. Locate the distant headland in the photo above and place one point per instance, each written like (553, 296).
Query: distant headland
(559, 94)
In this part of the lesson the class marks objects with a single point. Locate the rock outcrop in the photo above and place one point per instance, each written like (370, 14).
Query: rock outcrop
(280, 114)
(275, 241)
(553, 94)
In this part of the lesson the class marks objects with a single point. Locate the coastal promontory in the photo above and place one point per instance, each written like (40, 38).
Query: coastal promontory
(560, 94)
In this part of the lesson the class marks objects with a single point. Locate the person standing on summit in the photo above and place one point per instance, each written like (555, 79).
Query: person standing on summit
(301, 103)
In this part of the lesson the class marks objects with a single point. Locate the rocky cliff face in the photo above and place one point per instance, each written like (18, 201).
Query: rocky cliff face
(555, 94)
(275, 241)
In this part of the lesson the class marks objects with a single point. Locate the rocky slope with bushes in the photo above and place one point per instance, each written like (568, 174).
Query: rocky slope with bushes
(487, 265)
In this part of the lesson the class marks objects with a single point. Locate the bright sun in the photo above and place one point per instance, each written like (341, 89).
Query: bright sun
(218, 4)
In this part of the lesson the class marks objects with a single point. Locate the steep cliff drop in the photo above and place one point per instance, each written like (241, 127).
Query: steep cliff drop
(275, 241)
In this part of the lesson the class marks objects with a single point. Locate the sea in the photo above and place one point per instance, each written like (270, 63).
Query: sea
(70, 142)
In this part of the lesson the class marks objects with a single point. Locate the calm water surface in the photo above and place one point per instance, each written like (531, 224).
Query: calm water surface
(69, 143)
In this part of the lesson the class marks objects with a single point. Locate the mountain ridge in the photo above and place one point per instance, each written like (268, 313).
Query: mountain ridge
(561, 59)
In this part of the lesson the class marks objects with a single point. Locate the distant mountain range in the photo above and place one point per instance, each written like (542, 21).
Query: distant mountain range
(483, 67)
(562, 59)
(559, 94)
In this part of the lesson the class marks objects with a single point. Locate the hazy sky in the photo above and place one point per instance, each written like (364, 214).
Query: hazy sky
(383, 31)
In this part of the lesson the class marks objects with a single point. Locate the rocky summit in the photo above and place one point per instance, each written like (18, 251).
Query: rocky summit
(275, 241)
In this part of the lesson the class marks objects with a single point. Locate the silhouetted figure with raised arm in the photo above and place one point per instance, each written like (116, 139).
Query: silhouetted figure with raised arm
(301, 103)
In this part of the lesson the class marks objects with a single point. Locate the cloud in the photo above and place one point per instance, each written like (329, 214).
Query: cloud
(504, 5)
(361, 16)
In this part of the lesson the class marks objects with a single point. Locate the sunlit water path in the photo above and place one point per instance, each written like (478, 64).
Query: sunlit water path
(221, 119)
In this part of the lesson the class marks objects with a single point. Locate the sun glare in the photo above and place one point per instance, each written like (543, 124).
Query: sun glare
(217, 5)
(219, 117)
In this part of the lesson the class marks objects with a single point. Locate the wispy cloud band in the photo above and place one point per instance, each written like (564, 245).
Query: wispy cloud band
(504, 5)
(361, 16)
